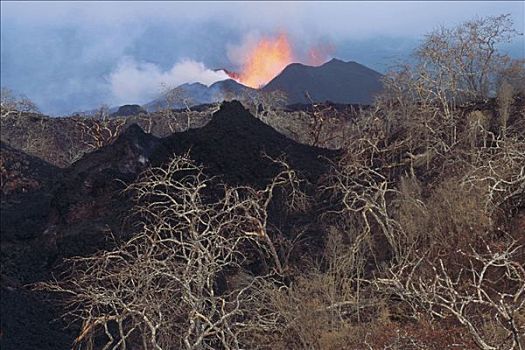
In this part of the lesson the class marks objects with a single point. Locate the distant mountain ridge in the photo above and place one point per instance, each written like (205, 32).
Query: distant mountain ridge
(197, 94)
(336, 81)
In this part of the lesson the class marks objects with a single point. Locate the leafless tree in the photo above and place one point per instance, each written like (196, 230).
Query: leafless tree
(261, 103)
(364, 193)
(489, 290)
(326, 124)
(174, 98)
(501, 172)
(160, 289)
(453, 66)
(11, 104)
(514, 74)
(100, 130)
(464, 61)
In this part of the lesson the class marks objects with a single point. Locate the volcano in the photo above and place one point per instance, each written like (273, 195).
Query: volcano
(335, 81)
(197, 94)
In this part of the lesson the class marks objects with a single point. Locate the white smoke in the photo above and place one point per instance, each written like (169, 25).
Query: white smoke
(140, 82)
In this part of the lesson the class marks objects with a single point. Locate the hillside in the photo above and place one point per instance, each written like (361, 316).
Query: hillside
(259, 225)
(195, 94)
(232, 145)
(74, 207)
(335, 81)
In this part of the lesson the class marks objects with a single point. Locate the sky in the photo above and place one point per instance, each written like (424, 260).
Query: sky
(75, 56)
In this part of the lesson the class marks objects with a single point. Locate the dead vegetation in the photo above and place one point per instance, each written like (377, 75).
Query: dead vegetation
(162, 287)
(423, 247)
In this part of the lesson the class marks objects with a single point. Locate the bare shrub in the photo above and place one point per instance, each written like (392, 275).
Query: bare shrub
(319, 308)
(463, 62)
(498, 173)
(163, 288)
(458, 218)
(99, 131)
(514, 74)
(411, 211)
(261, 104)
(478, 129)
(486, 295)
(11, 104)
(360, 183)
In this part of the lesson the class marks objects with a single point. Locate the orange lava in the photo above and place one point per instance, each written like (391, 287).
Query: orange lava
(269, 57)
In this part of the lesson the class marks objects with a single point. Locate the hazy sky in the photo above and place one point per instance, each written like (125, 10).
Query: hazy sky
(72, 56)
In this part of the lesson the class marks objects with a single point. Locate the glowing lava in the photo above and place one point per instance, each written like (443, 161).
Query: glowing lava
(267, 59)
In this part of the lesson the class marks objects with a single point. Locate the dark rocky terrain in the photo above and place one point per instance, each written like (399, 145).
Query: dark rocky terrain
(396, 225)
(232, 145)
(50, 213)
(28, 187)
(335, 81)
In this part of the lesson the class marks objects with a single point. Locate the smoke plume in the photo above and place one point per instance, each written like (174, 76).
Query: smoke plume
(139, 82)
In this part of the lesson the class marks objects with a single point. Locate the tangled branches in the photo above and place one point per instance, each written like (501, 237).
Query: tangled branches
(13, 105)
(487, 296)
(166, 286)
(501, 172)
(360, 182)
(99, 131)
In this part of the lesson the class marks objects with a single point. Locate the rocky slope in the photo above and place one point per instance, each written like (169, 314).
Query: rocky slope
(335, 81)
(51, 213)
